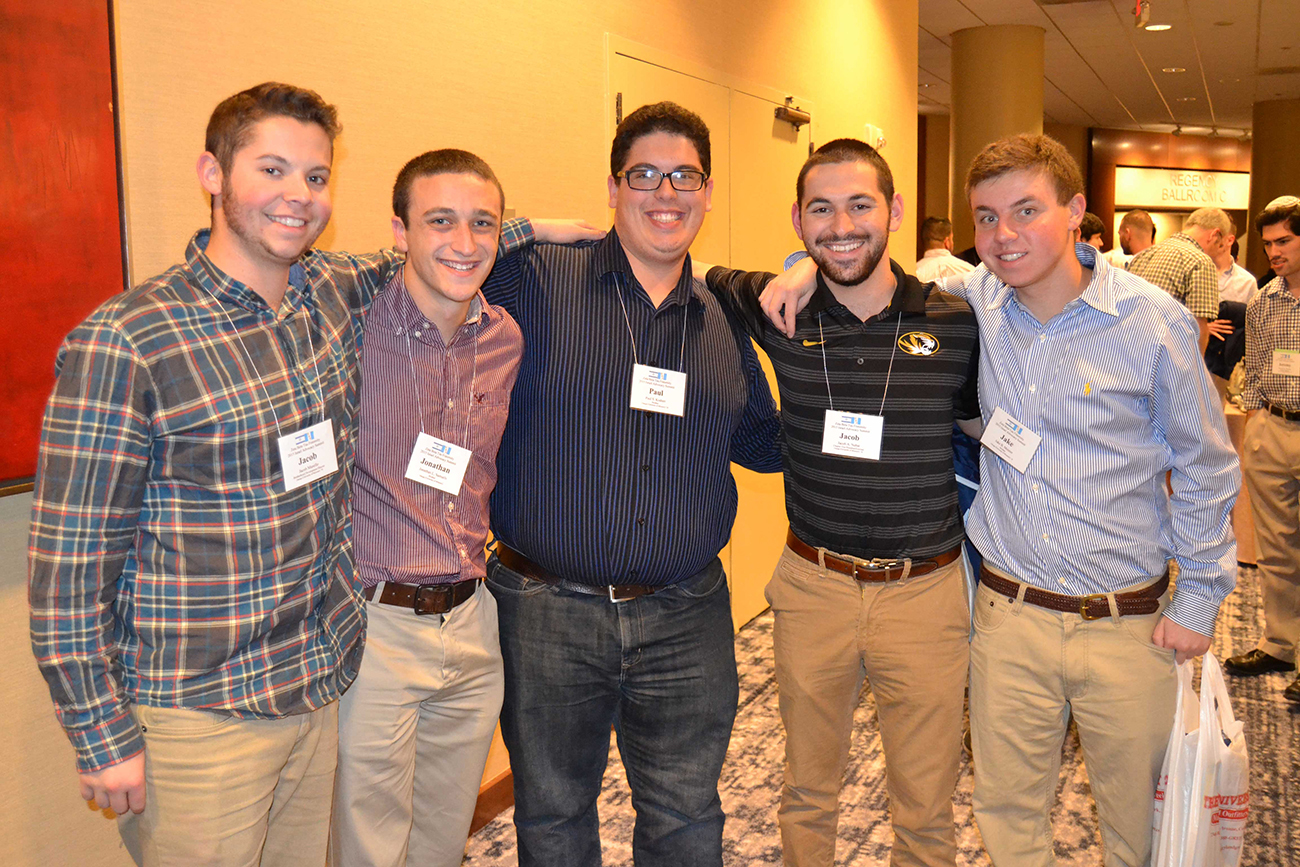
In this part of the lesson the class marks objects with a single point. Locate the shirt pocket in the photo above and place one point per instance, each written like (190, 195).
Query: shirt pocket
(487, 421)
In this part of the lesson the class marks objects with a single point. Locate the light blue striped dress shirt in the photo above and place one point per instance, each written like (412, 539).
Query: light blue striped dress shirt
(1117, 390)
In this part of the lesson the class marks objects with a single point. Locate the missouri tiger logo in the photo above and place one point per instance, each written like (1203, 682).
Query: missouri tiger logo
(918, 343)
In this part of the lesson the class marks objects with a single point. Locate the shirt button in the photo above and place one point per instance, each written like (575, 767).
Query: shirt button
(451, 507)
(861, 361)
(1060, 581)
(1035, 488)
(1042, 338)
(640, 522)
(631, 573)
(450, 403)
(645, 468)
(1044, 537)
(415, 334)
(1033, 388)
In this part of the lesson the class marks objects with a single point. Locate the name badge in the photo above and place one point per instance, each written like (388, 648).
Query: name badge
(308, 455)
(438, 464)
(657, 390)
(853, 434)
(1286, 362)
(1010, 440)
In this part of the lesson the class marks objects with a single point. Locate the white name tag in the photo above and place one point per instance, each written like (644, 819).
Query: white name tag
(1010, 440)
(308, 455)
(1286, 362)
(853, 434)
(657, 390)
(438, 464)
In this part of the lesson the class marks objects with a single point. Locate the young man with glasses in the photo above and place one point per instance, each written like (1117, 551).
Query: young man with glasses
(614, 498)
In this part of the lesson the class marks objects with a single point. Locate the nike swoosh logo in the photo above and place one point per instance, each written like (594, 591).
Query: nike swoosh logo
(813, 342)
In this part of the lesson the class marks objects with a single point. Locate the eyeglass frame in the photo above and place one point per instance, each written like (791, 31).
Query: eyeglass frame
(623, 175)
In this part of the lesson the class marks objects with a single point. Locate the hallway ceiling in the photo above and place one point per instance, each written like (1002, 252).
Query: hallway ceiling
(1103, 71)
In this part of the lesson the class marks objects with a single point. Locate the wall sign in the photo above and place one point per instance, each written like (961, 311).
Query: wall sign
(1181, 188)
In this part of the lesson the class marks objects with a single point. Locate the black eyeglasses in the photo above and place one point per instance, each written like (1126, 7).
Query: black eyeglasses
(645, 180)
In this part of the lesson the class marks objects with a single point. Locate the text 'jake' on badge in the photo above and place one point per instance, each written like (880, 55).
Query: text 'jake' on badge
(655, 389)
(1286, 362)
(853, 434)
(308, 455)
(1010, 440)
(438, 464)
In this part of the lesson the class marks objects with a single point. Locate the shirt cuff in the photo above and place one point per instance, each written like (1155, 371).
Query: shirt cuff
(107, 743)
(515, 234)
(1193, 612)
(795, 257)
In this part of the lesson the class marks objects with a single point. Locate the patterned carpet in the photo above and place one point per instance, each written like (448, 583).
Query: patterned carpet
(751, 779)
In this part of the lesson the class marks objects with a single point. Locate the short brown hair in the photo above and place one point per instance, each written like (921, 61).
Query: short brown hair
(1286, 212)
(666, 117)
(1091, 225)
(1028, 153)
(847, 150)
(447, 161)
(232, 121)
(935, 229)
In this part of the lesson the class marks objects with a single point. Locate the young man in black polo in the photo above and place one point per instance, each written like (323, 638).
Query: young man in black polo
(871, 583)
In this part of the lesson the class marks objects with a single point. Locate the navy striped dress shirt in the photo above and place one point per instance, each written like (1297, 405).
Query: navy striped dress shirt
(589, 488)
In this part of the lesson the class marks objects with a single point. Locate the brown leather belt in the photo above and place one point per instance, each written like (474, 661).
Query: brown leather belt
(1094, 606)
(424, 598)
(876, 569)
(1288, 414)
(516, 562)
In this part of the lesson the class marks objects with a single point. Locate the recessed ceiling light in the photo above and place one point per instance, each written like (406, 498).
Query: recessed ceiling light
(1186, 99)
(1158, 27)
(1173, 69)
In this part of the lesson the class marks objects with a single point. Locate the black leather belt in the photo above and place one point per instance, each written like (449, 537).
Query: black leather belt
(1094, 606)
(424, 598)
(1288, 414)
(516, 562)
(875, 570)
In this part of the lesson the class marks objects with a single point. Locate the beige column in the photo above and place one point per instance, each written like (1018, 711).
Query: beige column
(997, 91)
(1274, 165)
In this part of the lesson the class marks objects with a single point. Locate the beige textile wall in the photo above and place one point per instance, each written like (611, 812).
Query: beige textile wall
(520, 83)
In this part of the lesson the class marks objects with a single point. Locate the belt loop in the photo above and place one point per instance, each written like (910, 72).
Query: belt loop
(1020, 598)
(821, 558)
(1114, 607)
(907, 569)
(379, 590)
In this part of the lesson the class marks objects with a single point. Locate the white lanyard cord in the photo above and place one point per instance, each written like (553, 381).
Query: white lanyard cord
(320, 390)
(686, 310)
(419, 399)
(888, 372)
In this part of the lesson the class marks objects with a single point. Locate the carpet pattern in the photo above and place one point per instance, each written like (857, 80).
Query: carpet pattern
(751, 780)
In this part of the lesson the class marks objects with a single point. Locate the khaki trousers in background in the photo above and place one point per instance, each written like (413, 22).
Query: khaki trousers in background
(414, 733)
(231, 792)
(1271, 465)
(909, 638)
(1030, 670)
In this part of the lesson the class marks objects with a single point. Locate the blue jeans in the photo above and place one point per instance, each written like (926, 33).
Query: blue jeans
(659, 669)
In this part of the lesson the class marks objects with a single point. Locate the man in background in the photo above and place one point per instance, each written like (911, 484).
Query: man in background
(1091, 230)
(938, 262)
(1179, 266)
(1272, 445)
(1137, 231)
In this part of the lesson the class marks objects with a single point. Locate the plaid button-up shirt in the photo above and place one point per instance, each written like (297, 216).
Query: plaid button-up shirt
(1272, 322)
(168, 565)
(1181, 268)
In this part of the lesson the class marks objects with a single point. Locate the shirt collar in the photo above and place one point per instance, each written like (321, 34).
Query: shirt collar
(909, 296)
(935, 253)
(224, 287)
(1098, 294)
(611, 259)
(404, 314)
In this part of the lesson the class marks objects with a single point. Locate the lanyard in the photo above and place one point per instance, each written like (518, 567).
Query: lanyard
(415, 382)
(888, 372)
(320, 391)
(686, 309)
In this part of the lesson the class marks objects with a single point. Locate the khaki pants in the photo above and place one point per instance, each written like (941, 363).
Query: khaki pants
(1030, 670)
(231, 792)
(910, 639)
(1271, 465)
(414, 732)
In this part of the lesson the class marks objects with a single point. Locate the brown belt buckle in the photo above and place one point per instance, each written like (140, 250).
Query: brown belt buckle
(437, 596)
(617, 599)
(1083, 606)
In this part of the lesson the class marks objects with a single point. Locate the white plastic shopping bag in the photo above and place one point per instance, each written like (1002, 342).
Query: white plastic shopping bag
(1202, 798)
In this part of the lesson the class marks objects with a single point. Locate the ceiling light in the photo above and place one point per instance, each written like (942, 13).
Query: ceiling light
(1173, 69)
(1154, 28)
(1186, 99)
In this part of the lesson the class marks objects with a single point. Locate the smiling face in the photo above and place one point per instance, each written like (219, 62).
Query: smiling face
(1282, 247)
(1022, 233)
(657, 227)
(274, 201)
(450, 238)
(845, 221)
